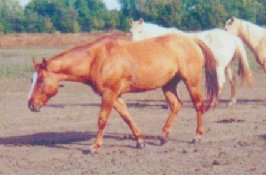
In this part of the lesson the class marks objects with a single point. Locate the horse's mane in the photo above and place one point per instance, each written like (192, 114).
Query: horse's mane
(251, 33)
(250, 24)
(100, 40)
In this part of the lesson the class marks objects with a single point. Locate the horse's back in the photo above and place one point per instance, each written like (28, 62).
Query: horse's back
(170, 46)
(171, 54)
(150, 64)
(222, 43)
(216, 37)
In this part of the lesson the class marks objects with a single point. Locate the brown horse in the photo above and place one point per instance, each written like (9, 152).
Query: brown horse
(112, 66)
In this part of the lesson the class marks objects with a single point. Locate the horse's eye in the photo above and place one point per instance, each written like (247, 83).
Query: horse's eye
(40, 81)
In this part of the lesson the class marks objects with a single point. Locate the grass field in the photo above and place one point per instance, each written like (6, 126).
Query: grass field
(17, 63)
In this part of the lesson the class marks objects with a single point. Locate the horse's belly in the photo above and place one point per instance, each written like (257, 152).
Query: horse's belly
(152, 78)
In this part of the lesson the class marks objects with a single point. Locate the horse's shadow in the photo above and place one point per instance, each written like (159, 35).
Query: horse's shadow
(263, 137)
(189, 104)
(159, 103)
(131, 105)
(66, 140)
(47, 138)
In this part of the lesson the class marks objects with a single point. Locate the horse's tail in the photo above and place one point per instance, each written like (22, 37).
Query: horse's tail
(243, 65)
(211, 81)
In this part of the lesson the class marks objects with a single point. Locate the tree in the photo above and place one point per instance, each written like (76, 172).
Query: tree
(90, 15)
(167, 13)
(261, 12)
(203, 14)
(10, 15)
(49, 26)
(245, 9)
(111, 20)
(34, 23)
(2, 29)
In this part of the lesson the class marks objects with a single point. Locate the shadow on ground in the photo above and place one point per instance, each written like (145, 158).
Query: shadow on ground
(159, 103)
(61, 139)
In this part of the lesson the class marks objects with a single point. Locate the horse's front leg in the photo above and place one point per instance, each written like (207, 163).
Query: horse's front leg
(108, 99)
(121, 107)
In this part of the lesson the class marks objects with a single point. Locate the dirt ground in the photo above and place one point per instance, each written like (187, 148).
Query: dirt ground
(52, 141)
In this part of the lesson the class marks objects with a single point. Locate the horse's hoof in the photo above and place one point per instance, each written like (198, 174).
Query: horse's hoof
(89, 151)
(196, 140)
(140, 145)
(163, 140)
(231, 104)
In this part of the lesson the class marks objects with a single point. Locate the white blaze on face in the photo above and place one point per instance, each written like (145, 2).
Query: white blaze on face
(34, 80)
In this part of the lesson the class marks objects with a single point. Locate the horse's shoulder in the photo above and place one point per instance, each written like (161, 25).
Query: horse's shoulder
(117, 43)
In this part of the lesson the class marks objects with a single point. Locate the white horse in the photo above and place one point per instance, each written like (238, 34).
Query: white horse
(225, 46)
(254, 36)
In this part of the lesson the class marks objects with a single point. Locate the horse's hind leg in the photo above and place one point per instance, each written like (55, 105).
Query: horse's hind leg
(221, 80)
(121, 107)
(232, 81)
(195, 94)
(174, 102)
(108, 99)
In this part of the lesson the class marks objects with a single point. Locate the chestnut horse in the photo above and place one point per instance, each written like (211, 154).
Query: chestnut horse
(253, 35)
(112, 66)
(225, 47)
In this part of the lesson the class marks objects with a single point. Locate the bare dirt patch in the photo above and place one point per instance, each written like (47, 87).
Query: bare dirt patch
(52, 40)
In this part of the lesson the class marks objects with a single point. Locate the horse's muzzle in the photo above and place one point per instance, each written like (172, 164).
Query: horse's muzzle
(32, 107)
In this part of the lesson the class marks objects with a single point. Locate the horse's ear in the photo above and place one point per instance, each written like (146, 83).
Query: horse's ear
(233, 19)
(34, 62)
(141, 20)
(131, 21)
(44, 63)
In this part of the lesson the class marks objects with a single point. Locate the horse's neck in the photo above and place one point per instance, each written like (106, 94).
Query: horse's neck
(66, 67)
(252, 35)
(76, 64)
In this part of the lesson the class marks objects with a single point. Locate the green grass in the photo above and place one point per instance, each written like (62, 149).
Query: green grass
(15, 71)
(17, 63)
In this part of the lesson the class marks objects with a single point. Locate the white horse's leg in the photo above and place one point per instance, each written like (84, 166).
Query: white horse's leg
(221, 77)
(221, 80)
(232, 81)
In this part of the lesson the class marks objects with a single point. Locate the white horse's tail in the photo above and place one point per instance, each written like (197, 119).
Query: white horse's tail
(243, 66)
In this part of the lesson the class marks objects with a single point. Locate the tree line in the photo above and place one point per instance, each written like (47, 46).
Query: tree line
(72, 16)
